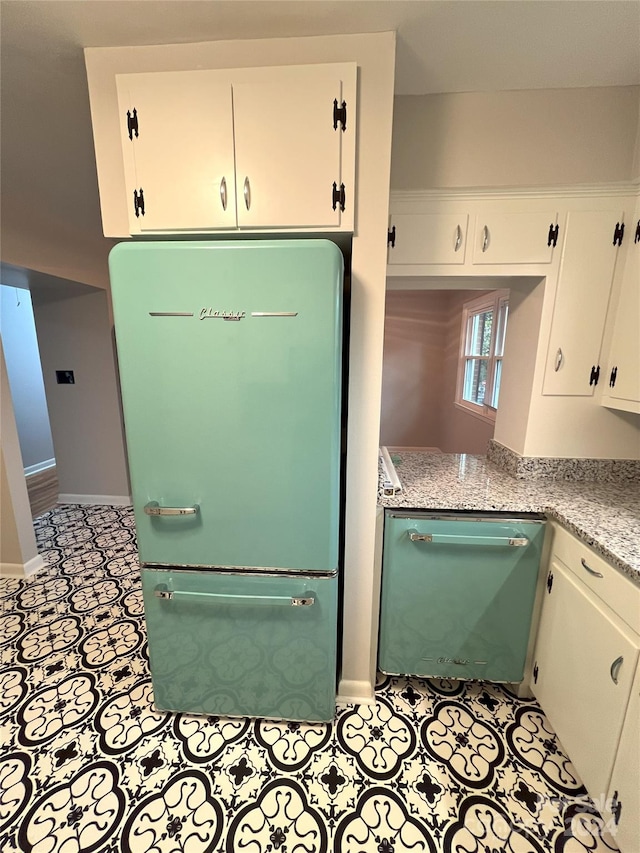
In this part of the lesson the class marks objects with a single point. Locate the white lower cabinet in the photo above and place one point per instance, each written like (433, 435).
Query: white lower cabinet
(584, 664)
(623, 800)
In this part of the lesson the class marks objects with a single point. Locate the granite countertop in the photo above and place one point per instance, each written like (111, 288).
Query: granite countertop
(605, 516)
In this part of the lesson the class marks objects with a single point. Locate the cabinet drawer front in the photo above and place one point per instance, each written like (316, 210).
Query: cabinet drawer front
(235, 645)
(513, 238)
(428, 238)
(616, 591)
(585, 660)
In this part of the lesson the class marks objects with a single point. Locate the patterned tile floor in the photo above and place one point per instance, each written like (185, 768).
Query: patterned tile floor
(89, 765)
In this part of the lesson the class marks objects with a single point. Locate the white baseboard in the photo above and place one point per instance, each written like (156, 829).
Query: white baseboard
(22, 570)
(108, 500)
(40, 466)
(355, 693)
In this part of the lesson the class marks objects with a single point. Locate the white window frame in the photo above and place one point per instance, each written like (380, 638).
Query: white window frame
(488, 302)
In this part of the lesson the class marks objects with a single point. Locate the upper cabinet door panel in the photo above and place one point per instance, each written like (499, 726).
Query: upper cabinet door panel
(622, 377)
(513, 238)
(182, 155)
(428, 238)
(580, 308)
(288, 154)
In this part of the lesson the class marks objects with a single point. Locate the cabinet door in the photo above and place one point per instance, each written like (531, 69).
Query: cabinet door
(181, 158)
(623, 800)
(428, 238)
(622, 376)
(580, 308)
(513, 238)
(585, 660)
(288, 154)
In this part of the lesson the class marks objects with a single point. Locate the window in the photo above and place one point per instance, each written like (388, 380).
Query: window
(484, 326)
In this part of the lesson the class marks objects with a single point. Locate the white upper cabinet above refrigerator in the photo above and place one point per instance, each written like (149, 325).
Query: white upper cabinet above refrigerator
(260, 148)
(177, 144)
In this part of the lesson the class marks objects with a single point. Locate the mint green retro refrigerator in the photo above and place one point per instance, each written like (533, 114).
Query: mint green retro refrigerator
(230, 362)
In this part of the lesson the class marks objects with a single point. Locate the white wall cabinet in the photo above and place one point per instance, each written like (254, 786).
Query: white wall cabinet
(622, 366)
(425, 237)
(585, 663)
(525, 237)
(584, 285)
(258, 148)
(428, 238)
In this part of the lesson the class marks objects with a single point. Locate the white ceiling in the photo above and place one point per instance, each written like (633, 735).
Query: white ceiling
(47, 167)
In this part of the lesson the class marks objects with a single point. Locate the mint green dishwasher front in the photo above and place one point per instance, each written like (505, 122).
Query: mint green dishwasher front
(242, 645)
(457, 594)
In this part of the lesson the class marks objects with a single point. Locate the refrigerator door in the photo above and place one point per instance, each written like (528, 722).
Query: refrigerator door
(230, 368)
(250, 645)
(457, 595)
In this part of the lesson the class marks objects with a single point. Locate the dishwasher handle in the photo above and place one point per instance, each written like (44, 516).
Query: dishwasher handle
(455, 539)
(217, 598)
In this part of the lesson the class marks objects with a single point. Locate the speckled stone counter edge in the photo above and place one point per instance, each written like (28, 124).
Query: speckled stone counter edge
(550, 468)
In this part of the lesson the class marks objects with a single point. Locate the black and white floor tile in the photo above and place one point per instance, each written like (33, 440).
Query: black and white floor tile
(89, 765)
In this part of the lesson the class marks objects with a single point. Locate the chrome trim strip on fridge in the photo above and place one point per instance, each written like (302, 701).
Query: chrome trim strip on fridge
(240, 570)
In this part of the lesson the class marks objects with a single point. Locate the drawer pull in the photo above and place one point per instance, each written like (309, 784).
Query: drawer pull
(615, 669)
(485, 238)
(591, 571)
(452, 539)
(246, 600)
(458, 238)
(559, 360)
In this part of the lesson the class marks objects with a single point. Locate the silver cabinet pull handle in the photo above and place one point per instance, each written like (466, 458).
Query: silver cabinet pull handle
(154, 508)
(559, 360)
(247, 193)
(223, 193)
(458, 238)
(247, 600)
(485, 238)
(615, 669)
(591, 571)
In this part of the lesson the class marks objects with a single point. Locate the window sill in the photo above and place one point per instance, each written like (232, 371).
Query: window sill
(488, 416)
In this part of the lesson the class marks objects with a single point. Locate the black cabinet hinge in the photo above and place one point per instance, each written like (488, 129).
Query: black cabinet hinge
(339, 115)
(535, 673)
(132, 123)
(636, 239)
(616, 808)
(552, 239)
(338, 196)
(618, 234)
(595, 375)
(612, 378)
(391, 237)
(138, 202)
(549, 581)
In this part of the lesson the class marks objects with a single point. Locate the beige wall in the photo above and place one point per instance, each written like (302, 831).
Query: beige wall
(420, 371)
(523, 138)
(75, 334)
(460, 432)
(18, 552)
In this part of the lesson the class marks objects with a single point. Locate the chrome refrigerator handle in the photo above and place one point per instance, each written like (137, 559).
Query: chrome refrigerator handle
(154, 508)
(220, 598)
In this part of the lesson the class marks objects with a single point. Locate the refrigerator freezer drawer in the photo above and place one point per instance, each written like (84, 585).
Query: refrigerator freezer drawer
(457, 596)
(250, 645)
